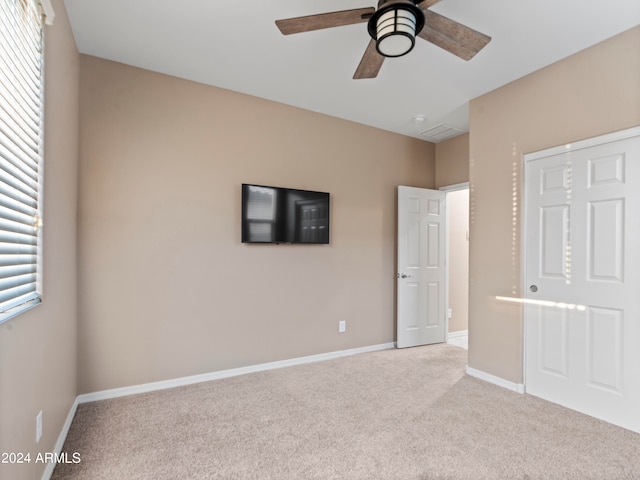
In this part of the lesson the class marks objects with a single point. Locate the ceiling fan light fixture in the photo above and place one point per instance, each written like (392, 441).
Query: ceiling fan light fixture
(394, 27)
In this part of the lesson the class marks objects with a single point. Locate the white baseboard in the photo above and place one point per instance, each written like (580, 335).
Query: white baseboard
(459, 333)
(62, 436)
(234, 372)
(501, 382)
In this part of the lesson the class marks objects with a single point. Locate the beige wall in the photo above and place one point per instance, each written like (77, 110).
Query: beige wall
(593, 92)
(458, 243)
(452, 161)
(167, 288)
(38, 348)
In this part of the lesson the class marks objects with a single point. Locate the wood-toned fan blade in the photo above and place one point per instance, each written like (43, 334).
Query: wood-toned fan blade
(370, 64)
(324, 20)
(428, 3)
(452, 36)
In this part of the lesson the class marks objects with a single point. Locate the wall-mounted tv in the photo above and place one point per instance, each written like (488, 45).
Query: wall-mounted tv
(284, 215)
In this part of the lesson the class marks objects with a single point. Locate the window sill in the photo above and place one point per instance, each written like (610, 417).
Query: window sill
(17, 310)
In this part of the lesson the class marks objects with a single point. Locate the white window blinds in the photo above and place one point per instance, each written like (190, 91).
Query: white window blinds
(21, 146)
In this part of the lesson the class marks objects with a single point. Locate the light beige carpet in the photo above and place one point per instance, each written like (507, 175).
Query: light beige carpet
(396, 414)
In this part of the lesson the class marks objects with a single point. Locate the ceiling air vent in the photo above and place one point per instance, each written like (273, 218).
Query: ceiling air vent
(440, 132)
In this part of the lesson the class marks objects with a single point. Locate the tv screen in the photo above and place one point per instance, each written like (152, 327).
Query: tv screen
(284, 215)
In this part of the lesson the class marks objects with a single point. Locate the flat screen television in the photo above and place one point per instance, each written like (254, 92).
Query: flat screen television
(284, 215)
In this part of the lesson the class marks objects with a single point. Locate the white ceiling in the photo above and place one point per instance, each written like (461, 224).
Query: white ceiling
(236, 45)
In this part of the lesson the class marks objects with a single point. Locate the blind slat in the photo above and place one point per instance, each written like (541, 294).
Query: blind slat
(11, 153)
(18, 238)
(18, 82)
(19, 296)
(10, 249)
(14, 72)
(16, 216)
(8, 259)
(17, 34)
(18, 131)
(18, 196)
(9, 296)
(12, 204)
(9, 96)
(14, 271)
(18, 180)
(8, 227)
(8, 284)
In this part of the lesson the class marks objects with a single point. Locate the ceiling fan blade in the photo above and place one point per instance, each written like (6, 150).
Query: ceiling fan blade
(370, 64)
(324, 20)
(428, 3)
(452, 36)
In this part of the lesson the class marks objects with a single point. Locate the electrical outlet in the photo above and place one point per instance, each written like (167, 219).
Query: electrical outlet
(342, 326)
(38, 426)
(449, 313)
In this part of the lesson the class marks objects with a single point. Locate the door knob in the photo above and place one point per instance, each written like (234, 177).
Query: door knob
(404, 275)
(533, 288)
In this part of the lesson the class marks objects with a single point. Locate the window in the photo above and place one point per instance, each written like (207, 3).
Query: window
(21, 154)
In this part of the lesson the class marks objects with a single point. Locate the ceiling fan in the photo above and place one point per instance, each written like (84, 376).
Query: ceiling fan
(393, 27)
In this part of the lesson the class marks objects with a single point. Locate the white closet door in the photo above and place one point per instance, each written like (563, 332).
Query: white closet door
(583, 277)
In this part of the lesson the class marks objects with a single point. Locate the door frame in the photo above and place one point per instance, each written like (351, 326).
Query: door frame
(528, 157)
(446, 189)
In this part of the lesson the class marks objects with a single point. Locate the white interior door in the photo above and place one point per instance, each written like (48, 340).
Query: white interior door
(583, 277)
(421, 273)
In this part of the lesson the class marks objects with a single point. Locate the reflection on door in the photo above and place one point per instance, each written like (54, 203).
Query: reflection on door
(312, 222)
